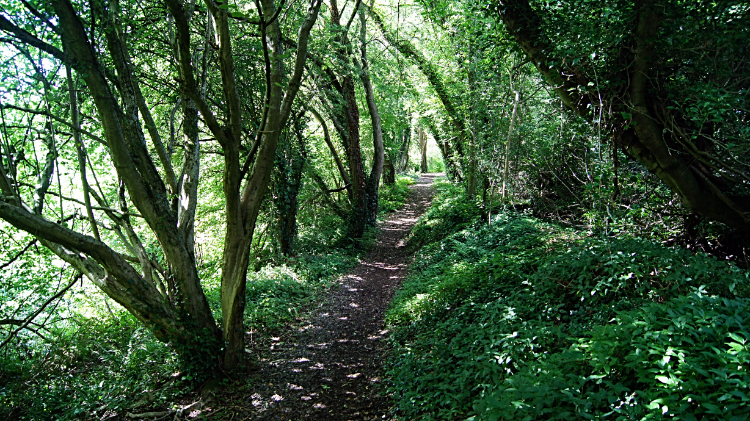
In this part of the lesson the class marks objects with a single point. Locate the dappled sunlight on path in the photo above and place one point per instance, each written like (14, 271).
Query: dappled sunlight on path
(330, 368)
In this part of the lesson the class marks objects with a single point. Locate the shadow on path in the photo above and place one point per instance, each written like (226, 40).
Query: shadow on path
(331, 367)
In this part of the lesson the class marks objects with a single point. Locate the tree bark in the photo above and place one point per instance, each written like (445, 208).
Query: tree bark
(335, 155)
(358, 217)
(422, 149)
(389, 171)
(373, 182)
(290, 162)
(242, 210)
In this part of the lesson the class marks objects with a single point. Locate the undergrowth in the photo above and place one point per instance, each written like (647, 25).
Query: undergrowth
(94, 369)
(393, 198)
(450, 212)
(102, 363)
(522, 319)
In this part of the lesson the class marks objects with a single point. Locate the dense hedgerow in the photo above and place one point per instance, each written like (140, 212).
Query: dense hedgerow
(521, 319)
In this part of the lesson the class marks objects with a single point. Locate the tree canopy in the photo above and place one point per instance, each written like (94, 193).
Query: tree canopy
(140, 141)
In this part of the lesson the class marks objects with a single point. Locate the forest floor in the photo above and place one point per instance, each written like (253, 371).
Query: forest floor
(329, 366)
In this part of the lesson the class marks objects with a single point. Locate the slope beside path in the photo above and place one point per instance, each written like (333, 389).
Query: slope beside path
(331, 367)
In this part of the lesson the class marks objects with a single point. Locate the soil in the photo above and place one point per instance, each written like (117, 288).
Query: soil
(330, 366)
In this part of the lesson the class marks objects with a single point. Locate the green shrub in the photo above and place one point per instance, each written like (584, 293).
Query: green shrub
(600, 276)
(451, 211)
(394, 197)
(684, 359)
(93, 368)
(525, 320)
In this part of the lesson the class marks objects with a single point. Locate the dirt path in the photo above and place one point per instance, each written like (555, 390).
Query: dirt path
(331, 367)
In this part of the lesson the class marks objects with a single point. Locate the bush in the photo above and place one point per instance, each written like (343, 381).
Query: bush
(393, 198)
(277, 294)
(683, 359)
(522, 319)
(94, 367)
(451, 211)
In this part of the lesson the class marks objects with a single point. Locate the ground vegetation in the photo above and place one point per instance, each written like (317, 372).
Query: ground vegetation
(181, 181)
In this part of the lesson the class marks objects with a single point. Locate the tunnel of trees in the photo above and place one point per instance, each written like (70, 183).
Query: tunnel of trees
(160, 158)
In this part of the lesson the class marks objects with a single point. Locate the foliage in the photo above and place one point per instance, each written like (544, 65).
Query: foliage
(435, 164)
(683, 359)
(521, 319)
(277, 295)
(506, 318)
(94, 368)
(393, 197)
(104, 363)
(451, 211)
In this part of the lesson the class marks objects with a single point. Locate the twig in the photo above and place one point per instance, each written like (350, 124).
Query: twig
(40, 309)
(20, 253)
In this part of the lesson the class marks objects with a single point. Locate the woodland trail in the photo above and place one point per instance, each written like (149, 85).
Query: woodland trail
(330, 367)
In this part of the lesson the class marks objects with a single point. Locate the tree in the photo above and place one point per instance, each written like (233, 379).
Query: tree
(339, 90)
(97, 44)
(291, 158)
(669, 93)
(422, 138)
(409, 51)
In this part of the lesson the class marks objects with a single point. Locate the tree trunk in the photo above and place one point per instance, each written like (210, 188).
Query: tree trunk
(132, 162)
(402, 163)
(422, 149)
(452, 169)
(335, 155)
(358, 218)
(373, 182)
(182, 315)
(516, 100)
(389, 171)
(290, 161)
(242, 209)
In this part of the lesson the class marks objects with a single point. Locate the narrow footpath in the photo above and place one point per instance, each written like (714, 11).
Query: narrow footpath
(331, 367)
